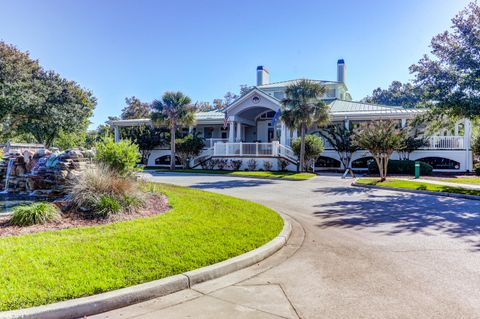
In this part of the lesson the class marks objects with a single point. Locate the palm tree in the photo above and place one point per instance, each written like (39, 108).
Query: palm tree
(303, 108)
(173, 110)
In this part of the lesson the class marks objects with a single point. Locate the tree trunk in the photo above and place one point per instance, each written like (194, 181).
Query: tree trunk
(379, 161)
(302, 148)
(172, 147)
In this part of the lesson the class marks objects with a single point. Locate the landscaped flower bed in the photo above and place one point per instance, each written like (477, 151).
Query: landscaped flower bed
(260, 174)
(201, 228)
(412, 185)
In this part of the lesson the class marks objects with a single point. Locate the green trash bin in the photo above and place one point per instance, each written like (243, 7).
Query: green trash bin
(417, 170)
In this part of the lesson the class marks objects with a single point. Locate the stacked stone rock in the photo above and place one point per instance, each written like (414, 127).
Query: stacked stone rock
(17, 181)
(46, 174)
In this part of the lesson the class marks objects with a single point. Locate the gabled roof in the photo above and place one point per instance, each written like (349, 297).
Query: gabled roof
(253, 91)
(339, 107)
(289, 82)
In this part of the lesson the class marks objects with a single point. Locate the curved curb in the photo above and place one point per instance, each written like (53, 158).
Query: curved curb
(418, 191)
(244, 176)
(87, 306)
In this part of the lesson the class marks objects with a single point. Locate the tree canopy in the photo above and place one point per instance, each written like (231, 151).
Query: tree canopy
(135, 109)
(303, 108)
(381, 139)
(39, 102)
(173, 110)
(397, 94)
(450, 76)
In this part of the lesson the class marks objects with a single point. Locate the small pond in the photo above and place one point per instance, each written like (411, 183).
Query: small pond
(8, 201)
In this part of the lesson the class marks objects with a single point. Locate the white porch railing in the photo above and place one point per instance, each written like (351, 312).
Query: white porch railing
(273, 149)
(287, 152)
(445, 143)
(209, 142)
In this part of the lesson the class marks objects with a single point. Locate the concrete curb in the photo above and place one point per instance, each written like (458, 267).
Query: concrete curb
(87, 306)
(244, 176)
(425, 192)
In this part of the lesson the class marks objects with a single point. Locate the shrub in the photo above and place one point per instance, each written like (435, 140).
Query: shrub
(267, 165)
(313, 148)
(211, 163)
(401, 167)
(98, 190)
(236, 164)
(204, 164)
(477, 169)
(221, 163)
(108, 205)
(251, 164)
(121, 157)
(282, 164)
(36, 213)
(188, 147)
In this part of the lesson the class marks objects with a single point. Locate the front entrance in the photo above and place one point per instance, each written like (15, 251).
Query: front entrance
(263, 131)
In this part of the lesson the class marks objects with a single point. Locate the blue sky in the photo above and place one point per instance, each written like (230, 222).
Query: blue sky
(205, 48)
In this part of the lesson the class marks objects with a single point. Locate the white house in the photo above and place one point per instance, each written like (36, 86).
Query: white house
(250, 134)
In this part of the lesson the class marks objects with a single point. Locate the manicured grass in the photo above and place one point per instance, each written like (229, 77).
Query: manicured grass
(463, 180)
(202, 228)
(396, 183)
(263, 174)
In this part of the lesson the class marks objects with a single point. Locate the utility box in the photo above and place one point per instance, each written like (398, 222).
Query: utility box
(417, 170)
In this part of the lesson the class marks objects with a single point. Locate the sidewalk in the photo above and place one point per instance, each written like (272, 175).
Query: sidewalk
(432, 181)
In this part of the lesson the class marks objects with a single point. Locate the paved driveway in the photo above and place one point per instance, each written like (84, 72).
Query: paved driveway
(365, 254)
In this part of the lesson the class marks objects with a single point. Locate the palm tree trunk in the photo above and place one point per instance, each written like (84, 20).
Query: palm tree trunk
(172, 147)
(302, 148)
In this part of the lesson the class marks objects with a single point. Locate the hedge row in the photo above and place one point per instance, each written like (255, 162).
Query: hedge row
(401, 167)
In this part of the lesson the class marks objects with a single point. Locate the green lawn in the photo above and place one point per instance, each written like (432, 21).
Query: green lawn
(262, 174)
(202, 228)
(463, 180)
(397, 183)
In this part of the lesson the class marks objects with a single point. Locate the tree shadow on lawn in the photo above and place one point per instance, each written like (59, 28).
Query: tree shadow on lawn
(243, 182)
(406, 213)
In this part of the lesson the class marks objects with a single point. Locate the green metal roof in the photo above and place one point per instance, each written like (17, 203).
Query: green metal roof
(342, 106)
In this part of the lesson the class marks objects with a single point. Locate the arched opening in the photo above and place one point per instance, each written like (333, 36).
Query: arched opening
(165, 161)
(259, 127)
(362, 163)
(440, 162)
(327, 162)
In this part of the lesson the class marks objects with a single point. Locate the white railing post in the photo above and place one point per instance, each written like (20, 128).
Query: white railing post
(256, 149)
(241, 149)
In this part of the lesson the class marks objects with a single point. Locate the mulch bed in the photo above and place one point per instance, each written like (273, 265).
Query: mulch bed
(155, 205)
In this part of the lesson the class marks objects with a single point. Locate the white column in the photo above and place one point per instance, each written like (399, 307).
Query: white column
(190, 130)
(239, 132)
(231, 132)
(346, 122)
(455, 130)
(404, 122)
(467, 136)
(283, 134)
(295, 133)
(116, 134)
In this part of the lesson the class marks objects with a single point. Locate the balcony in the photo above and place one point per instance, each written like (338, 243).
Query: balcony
(445, 143)
(209, 142)
(273, 149)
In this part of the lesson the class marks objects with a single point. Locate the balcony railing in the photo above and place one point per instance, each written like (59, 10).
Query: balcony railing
(273, 149)
(209, 142)
(445, 143)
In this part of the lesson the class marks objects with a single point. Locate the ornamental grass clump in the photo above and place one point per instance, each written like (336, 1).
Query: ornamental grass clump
(101, 192)
(33, 214)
